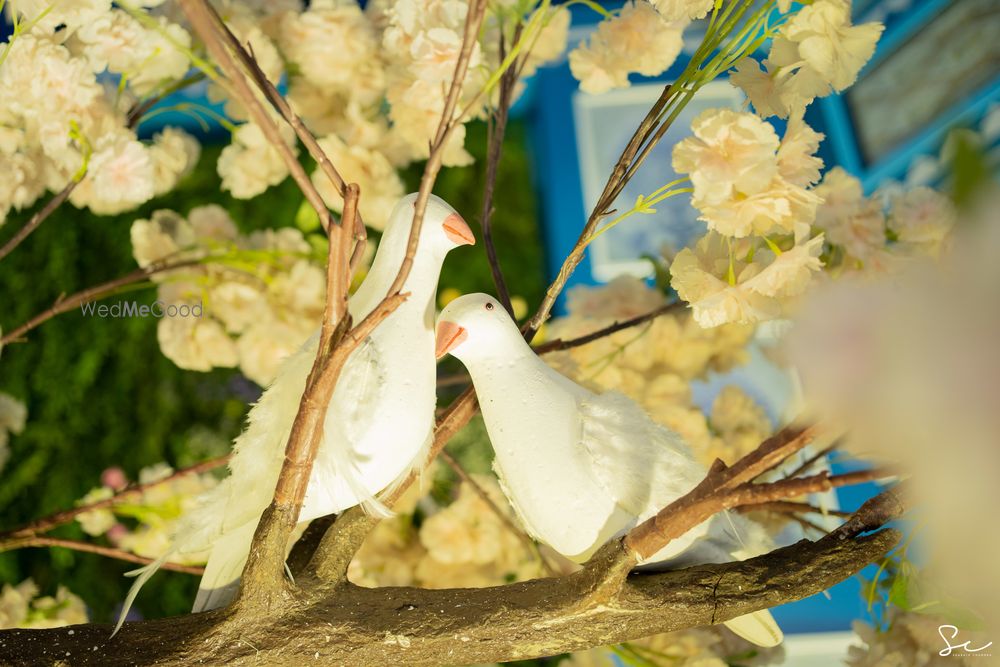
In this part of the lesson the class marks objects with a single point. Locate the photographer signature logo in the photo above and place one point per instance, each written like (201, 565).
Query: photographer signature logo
(949, 633)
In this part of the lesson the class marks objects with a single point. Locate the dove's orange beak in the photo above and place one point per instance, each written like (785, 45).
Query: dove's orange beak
(458, 231)
(449, 336)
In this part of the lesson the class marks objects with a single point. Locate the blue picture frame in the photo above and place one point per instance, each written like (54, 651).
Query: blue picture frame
(844, 146)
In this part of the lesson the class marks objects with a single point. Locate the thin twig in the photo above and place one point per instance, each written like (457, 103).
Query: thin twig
(49, 522)
(200, 14)
(280, 104)
(504, 518)
(559, 344)
(76, 545)
(37, 219)
(812, 460)
(497, 130)
(94, 293)
(792, 507)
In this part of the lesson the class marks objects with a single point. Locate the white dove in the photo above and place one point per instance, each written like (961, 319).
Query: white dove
(377, 429)
(581, 468)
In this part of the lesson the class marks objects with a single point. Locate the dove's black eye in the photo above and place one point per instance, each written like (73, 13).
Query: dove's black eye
(489, 305)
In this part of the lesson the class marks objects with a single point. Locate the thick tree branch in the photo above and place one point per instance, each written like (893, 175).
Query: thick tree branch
(394, 626)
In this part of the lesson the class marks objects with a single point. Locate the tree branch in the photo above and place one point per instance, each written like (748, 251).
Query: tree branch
(375, 627)
(76, 545)
(497, 129)
(559, 344)
(200, 15)
(47, 523)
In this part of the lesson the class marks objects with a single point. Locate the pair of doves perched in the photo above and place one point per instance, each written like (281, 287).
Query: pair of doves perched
(579, 468)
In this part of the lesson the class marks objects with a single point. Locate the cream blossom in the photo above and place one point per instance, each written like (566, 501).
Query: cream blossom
(160, 236)
(721, 289)
(21, 185)
(637, 40)
(676, 10)
(824, 40)
(99, 521)
(13, 415)
(237, 304)
(212, 225)
(250, 164)
(329, 44)
(174, 154)
(747, 181)
(21, 607)
(194, 343)
(47, 15)
(730, 153)
(797, 162)
(120, 175)
(370, 170)
(848, 218)
(264, 345)
(922, 216)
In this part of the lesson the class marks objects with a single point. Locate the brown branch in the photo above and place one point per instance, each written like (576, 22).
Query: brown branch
(497, 130)
(559, 344)
(516, 530)
(418, 627)
(812, 460)
(76, 545)
(716, 494)
(792, 507)
(94, 293)
(246, 57)
(47, 523)
(38, 218)
(200, 15)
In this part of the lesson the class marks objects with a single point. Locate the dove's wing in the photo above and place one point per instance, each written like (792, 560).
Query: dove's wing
(643, 465)
(339, 469)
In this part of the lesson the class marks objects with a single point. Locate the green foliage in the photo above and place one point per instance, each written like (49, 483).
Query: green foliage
(100, 393)
(899, 582)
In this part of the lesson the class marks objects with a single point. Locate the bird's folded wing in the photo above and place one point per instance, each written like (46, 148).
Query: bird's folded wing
(643, 465)
(359, 392)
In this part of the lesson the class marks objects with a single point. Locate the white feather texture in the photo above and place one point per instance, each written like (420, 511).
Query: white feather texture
(581, 468)
(378, 426)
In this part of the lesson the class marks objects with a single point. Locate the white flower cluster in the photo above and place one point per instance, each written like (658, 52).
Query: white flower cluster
(262, 294)
(637, 40)
(13, 415)
(21, 607)
(655, 363)
(862, 235)
(155, 513)
(816, 52)
(463, 544)
(61, 117)
(749, 186)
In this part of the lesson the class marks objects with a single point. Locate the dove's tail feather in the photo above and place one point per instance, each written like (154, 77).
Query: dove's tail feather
(758, 628)
(142, 575)
(225, 565)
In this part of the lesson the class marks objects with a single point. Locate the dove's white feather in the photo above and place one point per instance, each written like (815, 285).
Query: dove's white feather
(581, 468)
(377, 429)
